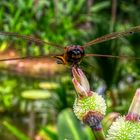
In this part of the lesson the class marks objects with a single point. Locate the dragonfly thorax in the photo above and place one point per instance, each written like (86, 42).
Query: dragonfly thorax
(74, 54)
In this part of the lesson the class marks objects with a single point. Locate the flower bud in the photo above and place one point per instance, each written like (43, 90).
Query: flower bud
(127, 127)
(89, 107)
(134, 109)
(124, 130)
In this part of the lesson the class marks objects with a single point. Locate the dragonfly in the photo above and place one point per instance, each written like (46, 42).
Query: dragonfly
(72, 55)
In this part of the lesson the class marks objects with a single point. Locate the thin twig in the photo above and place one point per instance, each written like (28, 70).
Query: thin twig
(113, 16)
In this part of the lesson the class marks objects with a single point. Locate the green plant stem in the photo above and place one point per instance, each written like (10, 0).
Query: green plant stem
(32, 122)
(99, 134)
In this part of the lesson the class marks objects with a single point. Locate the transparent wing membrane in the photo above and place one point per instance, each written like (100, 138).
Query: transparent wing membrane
(112, 56)
(29, 38)
(55, 56)
(30, 57)
(113, 36)
(35, 55)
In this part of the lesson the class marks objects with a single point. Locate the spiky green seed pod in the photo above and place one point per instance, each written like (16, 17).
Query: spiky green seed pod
(93, 103)
(123, 129)
(89, 107)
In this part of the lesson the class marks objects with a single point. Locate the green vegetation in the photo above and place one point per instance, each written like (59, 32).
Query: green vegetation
(63, 22)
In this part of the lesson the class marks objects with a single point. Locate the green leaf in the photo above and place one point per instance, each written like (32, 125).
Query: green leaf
(50, 133)
(15, 131)
(100, 6)
(36, 94)
(69, 127)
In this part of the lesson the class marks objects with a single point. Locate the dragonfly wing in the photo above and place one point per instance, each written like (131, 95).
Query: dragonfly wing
(113, 36)
(40, 66)
(112, 56)
(30, 38)
(24, 57)
(12, 58)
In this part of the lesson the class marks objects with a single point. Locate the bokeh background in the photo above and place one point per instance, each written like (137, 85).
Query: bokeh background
(37, 95)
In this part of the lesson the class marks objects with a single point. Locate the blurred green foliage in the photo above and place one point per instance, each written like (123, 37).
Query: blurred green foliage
(67, 22)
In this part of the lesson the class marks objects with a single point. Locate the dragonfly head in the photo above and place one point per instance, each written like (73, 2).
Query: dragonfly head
(74, 54)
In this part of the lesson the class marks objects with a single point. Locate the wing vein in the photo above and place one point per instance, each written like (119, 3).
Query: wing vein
(33, 39)
(113, 36)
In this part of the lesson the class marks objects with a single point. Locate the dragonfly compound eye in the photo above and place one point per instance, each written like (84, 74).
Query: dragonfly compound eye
(74, 54)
